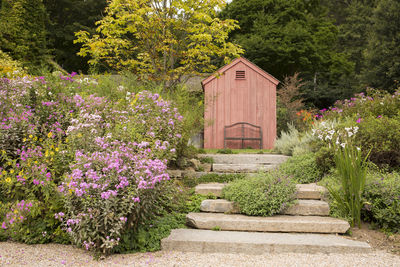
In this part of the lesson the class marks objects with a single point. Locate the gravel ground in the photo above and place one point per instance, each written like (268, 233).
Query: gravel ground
(15, 254)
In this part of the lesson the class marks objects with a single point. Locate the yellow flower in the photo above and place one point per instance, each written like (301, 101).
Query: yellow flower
(52, 153)
(36, 162)
(79, 135)
(57, 149)
(3, 152)
(15, 211)
(66, 140)
(30, 136)
(24, 140)
(11, 171)
(40, 139)
(4, 172)
(35, 138)
(8, 180)
(50, 134)
(21, 173)
(46, 154)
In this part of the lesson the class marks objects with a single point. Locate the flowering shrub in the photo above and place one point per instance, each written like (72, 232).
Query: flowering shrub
(78, 158)
(378, 119)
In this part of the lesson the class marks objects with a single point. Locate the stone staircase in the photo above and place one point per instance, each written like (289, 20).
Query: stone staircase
(303, 227)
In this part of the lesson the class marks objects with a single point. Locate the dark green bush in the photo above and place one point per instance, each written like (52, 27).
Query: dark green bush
(382, 136)
(303, 168)
(324, 159)
(382, 195)
(264, 195)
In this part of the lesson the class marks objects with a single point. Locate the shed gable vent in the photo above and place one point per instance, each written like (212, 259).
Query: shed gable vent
(240, 75)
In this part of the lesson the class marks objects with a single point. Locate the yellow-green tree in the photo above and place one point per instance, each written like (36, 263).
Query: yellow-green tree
(165, 41)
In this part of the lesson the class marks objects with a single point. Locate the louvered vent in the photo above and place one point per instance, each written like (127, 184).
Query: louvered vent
(240, 75)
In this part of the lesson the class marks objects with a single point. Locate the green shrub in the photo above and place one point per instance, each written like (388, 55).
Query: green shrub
(303, 168)
(148, 237)
(264, 195)
(382, 196)
(382, 136)
(212, 178)
(324, 159)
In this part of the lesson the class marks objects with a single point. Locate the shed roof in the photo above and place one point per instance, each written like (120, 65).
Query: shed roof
(245, 61)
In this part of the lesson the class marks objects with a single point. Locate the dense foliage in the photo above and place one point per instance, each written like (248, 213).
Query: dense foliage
(264, 195)
(382, 196)
(22, 31)
(303, 168)
(165, 41)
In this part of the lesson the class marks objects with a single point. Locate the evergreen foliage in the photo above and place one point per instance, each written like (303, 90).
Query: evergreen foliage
(22, 31)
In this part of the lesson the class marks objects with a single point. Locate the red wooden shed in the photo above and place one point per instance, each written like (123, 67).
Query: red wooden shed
(238, 97)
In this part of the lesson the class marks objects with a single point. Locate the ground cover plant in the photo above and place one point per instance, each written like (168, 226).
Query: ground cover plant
(68, 157)
(264, 195)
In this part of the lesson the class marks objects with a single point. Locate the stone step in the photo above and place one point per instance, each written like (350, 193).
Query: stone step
(200, 174)
(209, 189)
(242, 168)
(304, 191)
(310, 191)
(280, 223)
(219, 206)
(308, 207)
(301, 207)
(207, 241)
(247, 158)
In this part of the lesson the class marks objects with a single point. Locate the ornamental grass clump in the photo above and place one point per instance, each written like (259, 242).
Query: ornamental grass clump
(352, 170)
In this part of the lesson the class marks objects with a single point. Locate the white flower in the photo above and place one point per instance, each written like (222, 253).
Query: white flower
(331, 132)
(320, 137)
(358, 148)
(355, 129)
(350, 134)
(343, 145)
(337, 141)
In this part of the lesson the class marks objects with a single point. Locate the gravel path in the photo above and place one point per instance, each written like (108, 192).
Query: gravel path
(15, 254)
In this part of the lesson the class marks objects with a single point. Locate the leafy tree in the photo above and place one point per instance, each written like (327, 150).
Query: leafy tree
(65, 18)
(161, 40)
(382, 68)
(288, 36)
(22, 31)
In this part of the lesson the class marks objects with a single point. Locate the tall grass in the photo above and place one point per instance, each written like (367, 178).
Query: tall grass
(352, 170)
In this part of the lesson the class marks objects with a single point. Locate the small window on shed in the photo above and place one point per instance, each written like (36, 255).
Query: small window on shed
(240, 75)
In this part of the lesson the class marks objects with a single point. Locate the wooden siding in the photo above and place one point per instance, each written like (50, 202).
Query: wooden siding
(229, 100)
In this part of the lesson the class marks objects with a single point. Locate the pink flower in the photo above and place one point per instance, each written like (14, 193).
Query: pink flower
(359, 120)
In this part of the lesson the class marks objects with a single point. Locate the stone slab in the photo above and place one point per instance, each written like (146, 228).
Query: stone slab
(247, 158)
(310, 191)
(242, 168)
(280, 223)
(218, 205)
(306, 207)
(300, 208)
(200, 174)
(207, 241)
(209, 189)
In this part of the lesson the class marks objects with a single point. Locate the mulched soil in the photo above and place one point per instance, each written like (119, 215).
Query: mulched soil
(377, 239)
